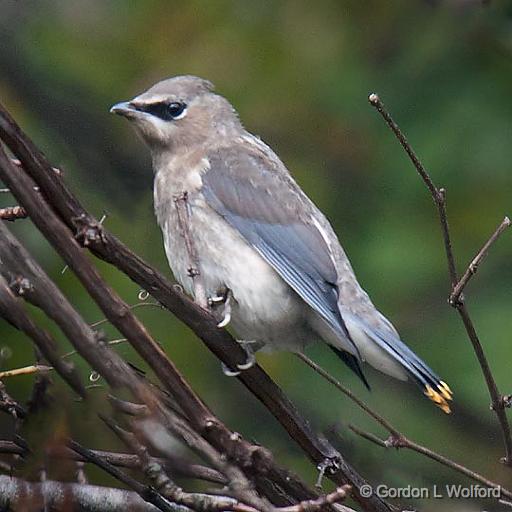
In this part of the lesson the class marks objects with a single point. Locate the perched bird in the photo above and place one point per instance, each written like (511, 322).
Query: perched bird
(264, 249)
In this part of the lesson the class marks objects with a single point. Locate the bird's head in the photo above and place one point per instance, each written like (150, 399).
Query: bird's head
(179, 112)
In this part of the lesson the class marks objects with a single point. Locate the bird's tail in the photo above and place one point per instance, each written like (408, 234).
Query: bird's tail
(432, 386)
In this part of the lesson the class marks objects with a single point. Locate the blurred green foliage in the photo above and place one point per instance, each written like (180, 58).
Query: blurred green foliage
(299, 74)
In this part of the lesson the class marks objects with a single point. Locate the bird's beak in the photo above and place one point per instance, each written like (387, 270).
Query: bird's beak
(125, 108)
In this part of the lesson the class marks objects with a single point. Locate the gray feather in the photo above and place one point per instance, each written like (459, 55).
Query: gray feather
(269, 214)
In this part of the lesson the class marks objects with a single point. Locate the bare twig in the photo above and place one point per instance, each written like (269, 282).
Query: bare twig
(12, 310)
(439, 197)
(9, 405)
(161, 481)
(401, 441)
(183, 211)
(176, 464)
(237, 482)
(12, 213)
(18, 494)
(472, 269)
(396, 439)
(146, 493)
(316, 505)
(366, 408)
(25, 370)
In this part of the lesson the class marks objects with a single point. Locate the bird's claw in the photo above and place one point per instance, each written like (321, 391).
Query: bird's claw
(228, 372)
(225, 299)
(249, 363)
(216, 299)
(227, 316)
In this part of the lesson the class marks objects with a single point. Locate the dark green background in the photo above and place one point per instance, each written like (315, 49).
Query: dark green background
(299, 74)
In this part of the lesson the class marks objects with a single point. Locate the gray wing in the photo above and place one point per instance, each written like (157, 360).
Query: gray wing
(267, 208)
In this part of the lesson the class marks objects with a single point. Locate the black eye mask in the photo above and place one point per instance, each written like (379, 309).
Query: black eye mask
(164, 110)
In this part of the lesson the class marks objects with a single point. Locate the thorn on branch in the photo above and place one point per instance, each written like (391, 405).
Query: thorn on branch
(87, 231)
(20, 285)
(394, 441)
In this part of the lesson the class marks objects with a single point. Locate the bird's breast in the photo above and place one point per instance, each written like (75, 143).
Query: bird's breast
(264, 306)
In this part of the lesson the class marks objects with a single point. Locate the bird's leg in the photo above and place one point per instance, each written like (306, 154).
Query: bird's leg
(228, 372)
(249, 363)
(328, 465)
(251, 358)
(222, 298)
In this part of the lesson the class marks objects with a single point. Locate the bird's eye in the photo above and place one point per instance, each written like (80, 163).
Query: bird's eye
(176, 109)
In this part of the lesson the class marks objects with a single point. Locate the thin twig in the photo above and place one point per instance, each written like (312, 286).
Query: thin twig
(11, 308)
(145, 492)
(439, 197)
(183, 211)
(178, 465)
(438, 194)
(12, 213)
(26, 370)
(403, 442)
(396, 439)
(472, 269)
(9, 405)
(316, 505)
(366, 408)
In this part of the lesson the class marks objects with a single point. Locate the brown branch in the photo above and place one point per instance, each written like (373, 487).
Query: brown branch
(338, 385)
(25, 370)
(472, 269)
(110, 249)
(179, 466)
(12, 213)
(114, 308)
(161, 481)
(145, 492)
(439, 197)
(48, 297)
(438, 194)
(208, 502)
(11, 308)
(401, 441)
(182, 210)
(397, 439)
(316, 505)
(35, 286)
(17, 494)
(9, 405)
(177, 425)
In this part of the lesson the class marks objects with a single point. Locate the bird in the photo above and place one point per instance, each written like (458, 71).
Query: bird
(267, 256)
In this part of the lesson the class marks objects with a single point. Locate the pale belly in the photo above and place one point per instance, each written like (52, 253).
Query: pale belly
(264, 308)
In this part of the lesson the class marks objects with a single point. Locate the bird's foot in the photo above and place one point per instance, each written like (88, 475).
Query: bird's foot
(328, 466)
(225, 300)
(228, 372)
(249, 363)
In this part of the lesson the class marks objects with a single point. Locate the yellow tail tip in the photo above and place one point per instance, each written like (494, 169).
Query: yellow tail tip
(440, 396)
